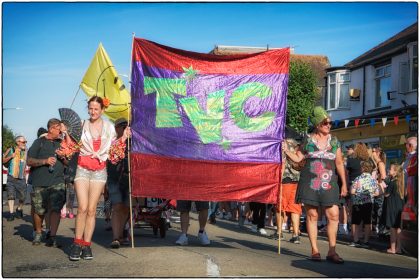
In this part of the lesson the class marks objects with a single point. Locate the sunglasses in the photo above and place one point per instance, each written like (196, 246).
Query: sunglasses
(23, 142)
(326, 123)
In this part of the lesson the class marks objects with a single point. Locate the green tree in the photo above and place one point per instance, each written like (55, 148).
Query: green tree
(302, 93)
(8, 138)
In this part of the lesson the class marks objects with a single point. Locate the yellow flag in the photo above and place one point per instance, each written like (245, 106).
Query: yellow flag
(102, 79)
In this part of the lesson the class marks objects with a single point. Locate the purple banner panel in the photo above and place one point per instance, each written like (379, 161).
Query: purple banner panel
(234, 118)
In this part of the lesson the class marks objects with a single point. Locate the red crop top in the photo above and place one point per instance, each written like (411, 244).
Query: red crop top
(92, 163)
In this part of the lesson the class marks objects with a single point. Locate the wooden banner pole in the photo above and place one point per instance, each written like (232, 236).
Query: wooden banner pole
(129, 161)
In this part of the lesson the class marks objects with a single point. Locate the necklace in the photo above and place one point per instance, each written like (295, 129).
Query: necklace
(95, 132)
(318, 143)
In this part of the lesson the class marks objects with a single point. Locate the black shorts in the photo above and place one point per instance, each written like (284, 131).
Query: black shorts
(361, 212)
(185, 205)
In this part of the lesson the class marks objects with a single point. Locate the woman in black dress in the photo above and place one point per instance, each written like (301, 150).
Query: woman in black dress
(318, 183)
(394, 202)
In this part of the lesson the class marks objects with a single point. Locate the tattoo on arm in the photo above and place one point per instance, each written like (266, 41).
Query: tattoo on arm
(35, 162)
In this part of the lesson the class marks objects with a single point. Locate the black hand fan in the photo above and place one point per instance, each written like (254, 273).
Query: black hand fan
(72, 121)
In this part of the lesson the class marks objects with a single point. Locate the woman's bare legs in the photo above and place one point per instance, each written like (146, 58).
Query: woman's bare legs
(95, 192)
(394, 242)
(312, 226)
(332, 214)
(81, 188)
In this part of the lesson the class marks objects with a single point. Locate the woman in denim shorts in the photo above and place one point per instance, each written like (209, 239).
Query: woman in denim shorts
(98, 138)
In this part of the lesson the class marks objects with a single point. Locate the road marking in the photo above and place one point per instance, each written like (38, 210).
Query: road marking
(213, 269)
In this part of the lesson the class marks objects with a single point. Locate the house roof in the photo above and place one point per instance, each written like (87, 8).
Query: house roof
(395, 44)
(317, 62)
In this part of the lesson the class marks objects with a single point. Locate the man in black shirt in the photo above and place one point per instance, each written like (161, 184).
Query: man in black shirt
(47, 181)
(118, 190)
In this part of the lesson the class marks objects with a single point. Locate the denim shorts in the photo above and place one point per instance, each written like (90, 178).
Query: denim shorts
(118, 193)
(185, 205)
(91, 175)
(50, 198)
(16, 188)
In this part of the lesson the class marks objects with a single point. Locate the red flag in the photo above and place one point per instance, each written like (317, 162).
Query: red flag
(207, 127)
(396, 120)
(356, 122)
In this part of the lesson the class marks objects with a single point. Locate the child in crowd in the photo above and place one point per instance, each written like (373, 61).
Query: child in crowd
(393, 206)
(363, 190)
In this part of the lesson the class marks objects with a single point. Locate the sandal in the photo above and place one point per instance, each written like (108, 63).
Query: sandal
(315, 257)
(389, 251)
(115, 244)
(335, 259)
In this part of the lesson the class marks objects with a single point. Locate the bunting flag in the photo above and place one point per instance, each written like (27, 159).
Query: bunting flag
(102, 79)
(372, 122)
(346, 123)
(207, 127)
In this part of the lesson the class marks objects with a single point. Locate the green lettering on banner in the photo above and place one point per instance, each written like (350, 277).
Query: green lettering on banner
(237, 100)
(208, 125)
(167, 114)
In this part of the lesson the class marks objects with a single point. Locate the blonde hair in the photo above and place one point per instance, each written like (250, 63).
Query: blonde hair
(382, 155)
(399, 177)
(367, 166)
(361, 151)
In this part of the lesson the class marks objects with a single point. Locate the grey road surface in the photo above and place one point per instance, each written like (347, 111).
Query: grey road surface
(234, 252)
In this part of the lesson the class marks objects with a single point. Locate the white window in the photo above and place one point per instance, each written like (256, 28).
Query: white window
(414, 66)
(408, 74)
(338, 90)
(404, 80)
(382, 85)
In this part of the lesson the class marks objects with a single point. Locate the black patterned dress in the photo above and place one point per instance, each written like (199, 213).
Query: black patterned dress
(318, 183)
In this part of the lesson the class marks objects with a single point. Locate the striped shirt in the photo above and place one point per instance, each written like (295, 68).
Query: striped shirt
(17, 165)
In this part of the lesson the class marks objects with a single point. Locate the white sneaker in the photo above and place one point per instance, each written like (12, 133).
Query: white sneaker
(220, 215)
(228, 216)
(262, 231)
(254, 228)
(182, 240)
(204, 240)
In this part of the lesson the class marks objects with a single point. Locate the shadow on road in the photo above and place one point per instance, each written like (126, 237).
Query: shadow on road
(351, 269)
(258, 246)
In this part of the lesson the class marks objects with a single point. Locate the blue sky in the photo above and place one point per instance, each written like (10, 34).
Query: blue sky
(47, 47)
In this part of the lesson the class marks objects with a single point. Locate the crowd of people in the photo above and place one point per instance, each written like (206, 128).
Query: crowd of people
(320, 183)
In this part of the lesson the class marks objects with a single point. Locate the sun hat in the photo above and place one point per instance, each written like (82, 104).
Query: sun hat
(120, 121)
(41, 131)
(318, 115)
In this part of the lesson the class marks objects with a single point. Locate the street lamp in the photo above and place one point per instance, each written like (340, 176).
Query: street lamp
(11, 108)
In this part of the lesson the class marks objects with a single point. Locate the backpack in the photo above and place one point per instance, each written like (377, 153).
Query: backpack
(7, 164)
